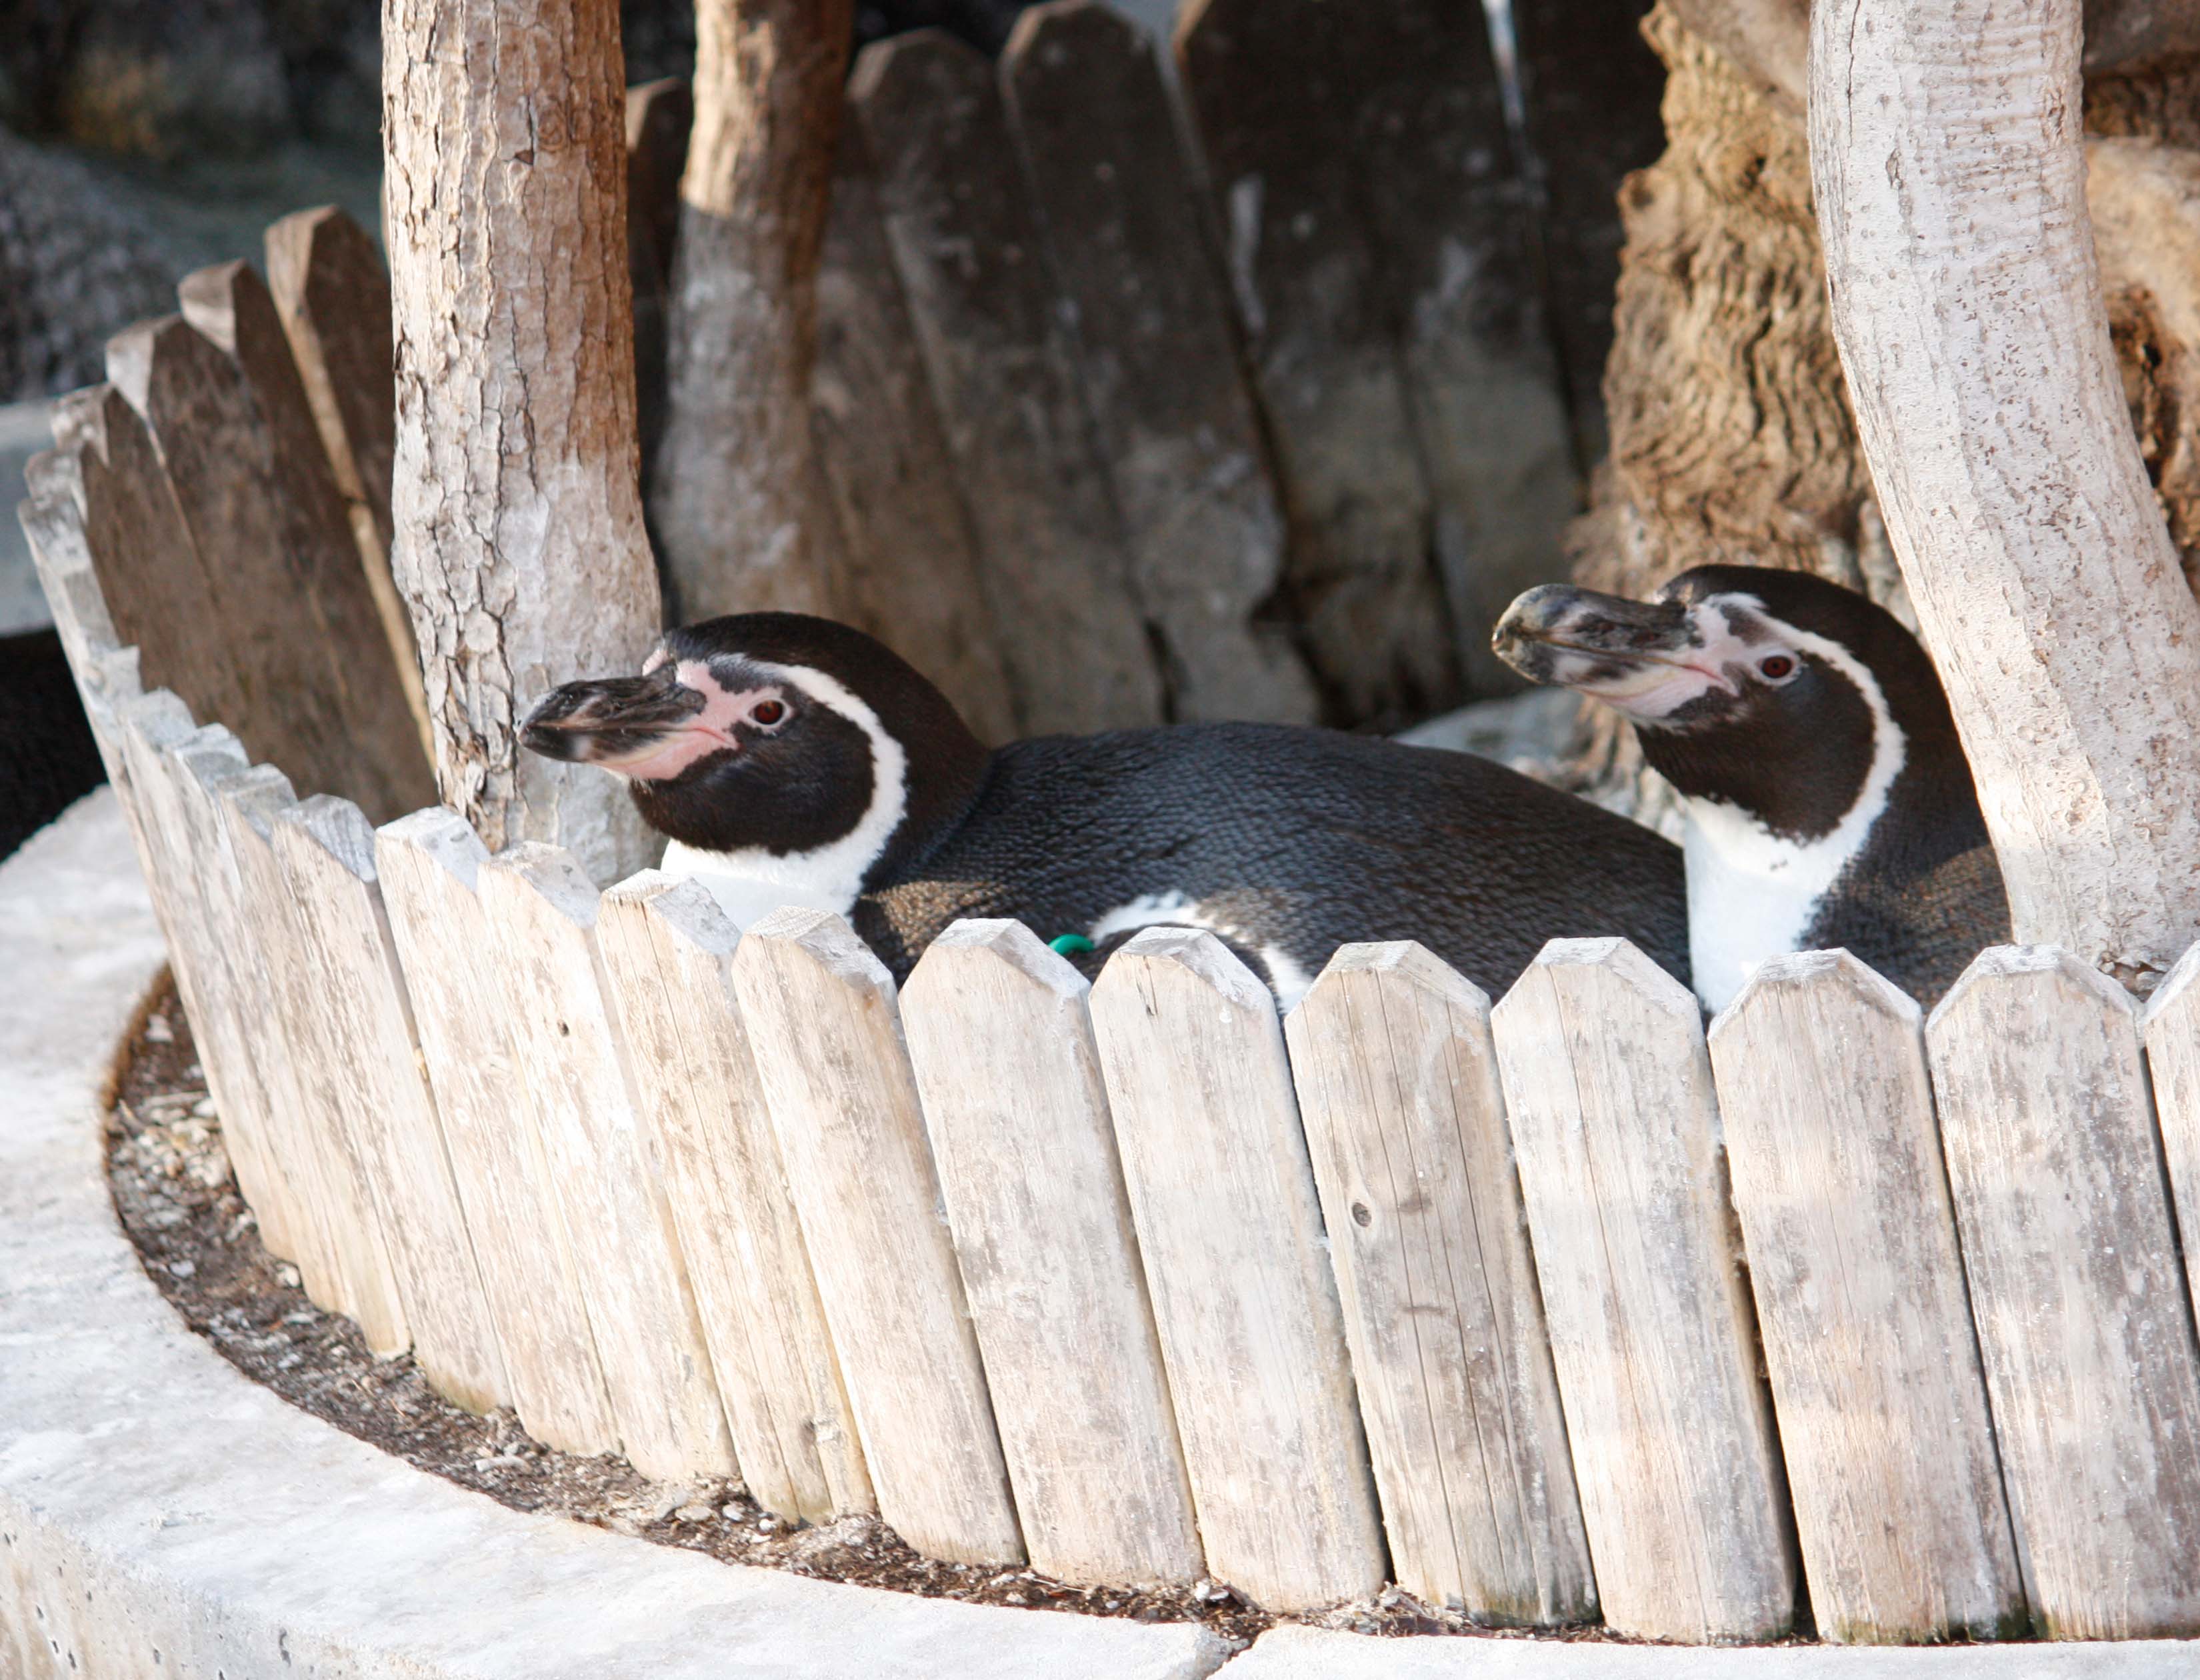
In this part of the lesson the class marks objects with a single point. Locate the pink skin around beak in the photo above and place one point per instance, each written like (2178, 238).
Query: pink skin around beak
(710, 730)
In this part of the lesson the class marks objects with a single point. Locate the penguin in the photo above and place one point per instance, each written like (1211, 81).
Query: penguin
(794, 761)
(1827, 799)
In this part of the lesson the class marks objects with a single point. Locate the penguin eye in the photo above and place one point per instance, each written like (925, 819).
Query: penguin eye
(767, 714)
(1776, 667)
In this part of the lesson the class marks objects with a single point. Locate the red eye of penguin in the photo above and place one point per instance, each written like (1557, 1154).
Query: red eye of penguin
(768, 713)
(1778, 668)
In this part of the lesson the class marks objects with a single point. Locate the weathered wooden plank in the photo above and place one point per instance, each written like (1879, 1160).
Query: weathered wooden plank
(667, 946)
(1397, 1084)
(542, 913)
(844, 1108)
(429, 864)
(1272, 84)
(1051, 545)
(2172, 1031)
(325, 849)
(1231, 1234)
(1159, 373)
(1858, 1281)
(1009, 1078)
(2048, 1130)
(912, 558)
(52, 520)
(1617, 1135)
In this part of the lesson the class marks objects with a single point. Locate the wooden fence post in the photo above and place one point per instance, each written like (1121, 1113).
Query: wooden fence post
(1860, 1285)
(1010, 1081)
(542, 913)
(1397, 1083)
(2080, 1303)
(844, 1107)
(1601, 1054)
(1230, 1233)
(667, 946)
(2171, 1030)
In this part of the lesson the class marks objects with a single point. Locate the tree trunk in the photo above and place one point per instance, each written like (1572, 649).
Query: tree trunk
(519, 540)
(735, 497)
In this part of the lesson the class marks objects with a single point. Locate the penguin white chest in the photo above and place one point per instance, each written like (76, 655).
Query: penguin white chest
(1751, 894)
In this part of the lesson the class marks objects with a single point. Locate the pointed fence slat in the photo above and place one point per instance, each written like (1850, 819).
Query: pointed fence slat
(429, 864)
(1230, 1231)
(325, 851)
(1601, 1055)
(543, 913)
(844, 1108)
(1397, 1083)
(2171, 1030)
(1858, 1280)
(2075, 1287)
(1013, 1101)
(666, 947)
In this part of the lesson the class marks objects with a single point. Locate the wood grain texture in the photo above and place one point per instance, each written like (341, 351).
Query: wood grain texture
(429, 864)
(1858, 1281)
(2171, 1029)
(1405, 1123)
(1229, 1232)
(1053, 551)
(1159, 369)
(1018, 1119)
(1601, 1055)
(52, 520)
(324, 847)
(666, 947)
(2048, 1130)
(596, 1142)
(836, 1081)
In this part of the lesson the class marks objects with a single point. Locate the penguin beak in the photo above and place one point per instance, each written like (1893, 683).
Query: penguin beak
(611, 721)
(1646, 658)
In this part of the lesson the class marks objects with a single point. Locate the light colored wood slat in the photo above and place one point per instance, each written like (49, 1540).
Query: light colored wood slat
(2048, 1130)
(52, 520)
(1397, 1083)
(542, 913)
(1018, 1119)
(2171, 1027)
(324, 847)
(1229, 1232)
(1858, 1280)
(1616, 1132)
(844, 1108)
(666, 947)
(428, 863)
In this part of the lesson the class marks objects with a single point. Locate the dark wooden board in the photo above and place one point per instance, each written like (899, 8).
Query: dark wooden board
(658, 117)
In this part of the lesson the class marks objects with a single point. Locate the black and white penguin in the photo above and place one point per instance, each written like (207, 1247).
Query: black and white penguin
(1828, 800)
(792, 760)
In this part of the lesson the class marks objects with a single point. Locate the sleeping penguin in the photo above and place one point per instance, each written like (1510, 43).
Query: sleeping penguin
(1828, 800)
(791, 760)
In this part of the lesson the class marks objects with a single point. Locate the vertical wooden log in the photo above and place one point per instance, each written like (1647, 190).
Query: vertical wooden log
(1602, 1055)
(2075, 1288)
(430, 866)
(1268, 81)
(1013, 1103)
(1858, 1280)
(2172, 1028)
(667, 946)
(1230, 1231)
(844, 1107)
(542, 913)
(519, 540)
(1052, 546)
(1161, 375)
(910, 556)
(1397, 1083)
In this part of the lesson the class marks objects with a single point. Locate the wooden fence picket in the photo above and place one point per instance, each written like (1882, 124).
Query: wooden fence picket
(1229, 1232)
(844, 1108)
(1601, 1055)
(52, 520)
(1010, 1078)
(2048, 1128)
(325, 848)
(1397, 1083)
(1114, 197)
(1858, 1281)
(957, 222)
(2171, 1027)
(666, 947)
(542, 915)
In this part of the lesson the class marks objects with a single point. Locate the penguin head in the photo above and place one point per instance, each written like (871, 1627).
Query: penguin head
(774, 735)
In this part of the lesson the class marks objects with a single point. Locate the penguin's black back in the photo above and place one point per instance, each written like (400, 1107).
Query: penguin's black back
(1291, 838)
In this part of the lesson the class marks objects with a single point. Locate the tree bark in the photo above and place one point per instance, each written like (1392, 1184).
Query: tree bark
(735, 497)
(1951, 174)
(519, 534)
